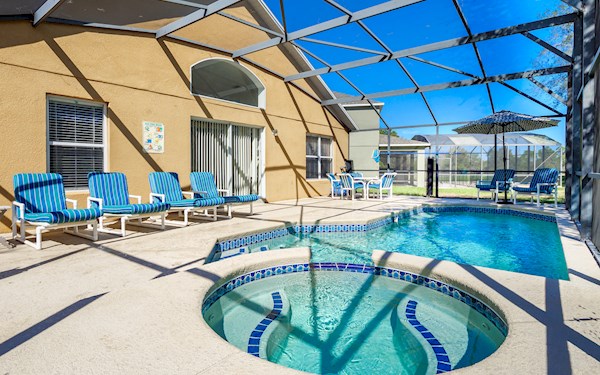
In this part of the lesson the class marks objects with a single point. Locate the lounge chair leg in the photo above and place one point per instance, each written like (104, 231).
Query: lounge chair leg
(538, 200)
(251, 208)
(214, 213)
(23, 231)
(162, 221)
(14, 224)
(185, 217)
(123, 223)
(38, 237)
(95, 231)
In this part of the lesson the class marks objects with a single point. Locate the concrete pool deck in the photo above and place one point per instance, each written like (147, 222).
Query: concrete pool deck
(132, 305)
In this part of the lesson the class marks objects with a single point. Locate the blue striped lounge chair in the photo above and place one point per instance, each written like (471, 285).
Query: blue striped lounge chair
(543, 182)
(349, 186)
(204, 186)
(385, 183)
(165, 188)
(109, 192)
(336, 185)
(40, 202)
(497, 183)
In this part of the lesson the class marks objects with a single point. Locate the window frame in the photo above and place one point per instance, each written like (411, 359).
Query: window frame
(319, 157)
(262, 97)
(104, 145)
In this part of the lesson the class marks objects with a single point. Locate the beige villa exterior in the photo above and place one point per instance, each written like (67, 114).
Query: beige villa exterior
(131, 78)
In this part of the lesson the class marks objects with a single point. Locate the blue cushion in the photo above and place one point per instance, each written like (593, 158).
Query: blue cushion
(487, 187)
(205, 182)
(110, 187)
(166, 183)
(544, 176)
(40, 192)
(198, 202)
(134, 209)
(64, 216)
(525, 189)
(241, 198)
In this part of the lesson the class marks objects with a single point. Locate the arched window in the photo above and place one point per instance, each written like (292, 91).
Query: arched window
(227, 80)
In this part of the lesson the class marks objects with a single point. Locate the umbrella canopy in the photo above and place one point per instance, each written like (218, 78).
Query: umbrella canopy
(506, 122)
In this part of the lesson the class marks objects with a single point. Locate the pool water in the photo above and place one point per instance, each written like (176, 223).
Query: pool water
(333, 322)
(498, 241)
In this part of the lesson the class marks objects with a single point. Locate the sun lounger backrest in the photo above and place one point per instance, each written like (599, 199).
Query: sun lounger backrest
(204, 182)
(544, 176)
(110, 187)
(387, 180)
(499, 176)
(40, 192)
(166, 183)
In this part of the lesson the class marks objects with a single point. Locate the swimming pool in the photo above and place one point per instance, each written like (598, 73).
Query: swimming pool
(353, 319)
(502, 239)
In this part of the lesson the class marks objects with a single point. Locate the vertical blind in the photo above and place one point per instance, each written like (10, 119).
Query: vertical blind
(75, 141)
(230, 152)
(319, 160)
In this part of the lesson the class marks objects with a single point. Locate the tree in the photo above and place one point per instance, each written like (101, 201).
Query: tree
(392, 133)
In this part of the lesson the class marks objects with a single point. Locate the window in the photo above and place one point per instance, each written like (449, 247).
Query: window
(319, 159)
(227, 80)
(76, 140)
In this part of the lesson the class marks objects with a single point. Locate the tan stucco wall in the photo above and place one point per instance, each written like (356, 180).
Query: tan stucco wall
(142, 79)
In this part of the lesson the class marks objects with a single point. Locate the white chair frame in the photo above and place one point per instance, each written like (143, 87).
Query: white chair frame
(186, 211)
(381, 189)
(352, 190)
(110, 218)
(21, 235)
(538, 193)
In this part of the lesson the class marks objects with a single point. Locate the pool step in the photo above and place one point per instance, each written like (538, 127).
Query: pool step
(272, 329)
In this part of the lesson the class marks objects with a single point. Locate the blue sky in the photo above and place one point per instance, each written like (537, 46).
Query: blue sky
(427, 22)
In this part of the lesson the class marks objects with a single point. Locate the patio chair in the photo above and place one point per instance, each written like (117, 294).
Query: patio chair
(40, 202)
(386, 182)
(335, 185)
(356, 174)
(204, 186)
(497, 183)
(109, 192)
(544, 181)
(350, 186)
(165, 188)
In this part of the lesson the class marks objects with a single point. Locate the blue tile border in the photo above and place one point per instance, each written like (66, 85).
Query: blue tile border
(443, 361)
(261, 327)
(233, 246)
(417, 279)
(488, 210)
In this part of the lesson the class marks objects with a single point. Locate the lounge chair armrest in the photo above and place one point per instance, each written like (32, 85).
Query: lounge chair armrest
(72, 201)
(92, 199)
(226, 191)
(21, 209)
(160, 197)
(137, 197)
(190, 193)
(555, 184)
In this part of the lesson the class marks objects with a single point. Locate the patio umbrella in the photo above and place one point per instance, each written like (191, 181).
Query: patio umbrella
(505, 122)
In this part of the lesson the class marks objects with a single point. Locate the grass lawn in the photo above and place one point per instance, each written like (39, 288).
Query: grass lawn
(468, 192)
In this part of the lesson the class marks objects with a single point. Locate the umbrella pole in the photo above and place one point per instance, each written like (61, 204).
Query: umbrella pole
(504, 153)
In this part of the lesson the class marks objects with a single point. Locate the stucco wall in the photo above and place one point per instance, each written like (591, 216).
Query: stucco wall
(142, 79)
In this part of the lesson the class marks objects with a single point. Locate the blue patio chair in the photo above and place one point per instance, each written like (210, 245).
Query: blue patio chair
(543, 182)
(497, 183)
(385, 183)
(336, 185)
(349, 186)
(40, 202)
(165, 188)
(109, 192)
(204, 186)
